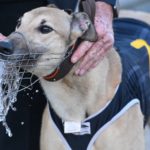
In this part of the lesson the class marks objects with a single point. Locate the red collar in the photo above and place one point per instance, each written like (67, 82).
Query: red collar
(65, 66)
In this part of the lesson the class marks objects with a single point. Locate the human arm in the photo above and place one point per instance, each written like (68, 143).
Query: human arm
(2, 37)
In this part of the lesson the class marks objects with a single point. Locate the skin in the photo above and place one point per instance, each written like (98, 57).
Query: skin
(90, 54)
(2, 37)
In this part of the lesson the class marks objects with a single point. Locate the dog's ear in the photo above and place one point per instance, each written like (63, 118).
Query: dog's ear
(90, 34)
(52, 6)
(82, 27)
(88, 6)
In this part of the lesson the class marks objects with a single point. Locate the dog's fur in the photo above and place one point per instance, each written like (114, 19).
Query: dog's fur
(73, 97)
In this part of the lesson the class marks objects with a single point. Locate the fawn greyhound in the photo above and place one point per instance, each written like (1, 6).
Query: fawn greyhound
(78, 114)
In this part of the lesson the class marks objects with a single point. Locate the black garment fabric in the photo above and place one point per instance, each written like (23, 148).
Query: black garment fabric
(14, 1)
(64, 4)
(111, 2)
(127, 31)
(11, 12)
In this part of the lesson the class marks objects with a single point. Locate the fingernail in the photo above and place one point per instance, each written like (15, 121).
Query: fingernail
(74, 59)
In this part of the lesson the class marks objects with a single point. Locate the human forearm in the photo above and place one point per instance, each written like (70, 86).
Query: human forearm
(104, 15)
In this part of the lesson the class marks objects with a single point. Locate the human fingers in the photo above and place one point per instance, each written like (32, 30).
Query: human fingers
(93, 63)
(80, 51)
(108, 38)
(88, 59)
(101, 56)
(94, 56)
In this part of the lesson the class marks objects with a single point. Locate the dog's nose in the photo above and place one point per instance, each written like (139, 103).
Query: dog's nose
(6, 47)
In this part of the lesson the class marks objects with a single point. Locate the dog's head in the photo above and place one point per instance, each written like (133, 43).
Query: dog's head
(43, 36)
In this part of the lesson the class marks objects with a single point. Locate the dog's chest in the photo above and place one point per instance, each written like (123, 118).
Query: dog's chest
(93, 126)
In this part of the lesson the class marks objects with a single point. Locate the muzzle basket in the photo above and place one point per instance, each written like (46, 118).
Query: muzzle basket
(11, 76)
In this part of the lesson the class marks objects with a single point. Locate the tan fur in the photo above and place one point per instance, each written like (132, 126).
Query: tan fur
(90, 99)
(74, 108)
(74, 97)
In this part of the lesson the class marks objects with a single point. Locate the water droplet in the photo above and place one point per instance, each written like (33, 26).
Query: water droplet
(37, 91)
(8, 131)
(13, 108)
(9, 86)
(22, 123)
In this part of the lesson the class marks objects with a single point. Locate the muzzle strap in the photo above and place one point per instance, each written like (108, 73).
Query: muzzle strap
(66, 65)
(6, 47)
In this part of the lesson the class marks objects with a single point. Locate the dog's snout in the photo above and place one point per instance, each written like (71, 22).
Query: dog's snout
(6, 47)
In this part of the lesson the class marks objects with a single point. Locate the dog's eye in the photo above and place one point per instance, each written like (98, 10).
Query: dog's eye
(45, 29)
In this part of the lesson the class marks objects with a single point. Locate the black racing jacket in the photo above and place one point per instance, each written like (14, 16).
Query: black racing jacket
(133, 89)
(132, 41)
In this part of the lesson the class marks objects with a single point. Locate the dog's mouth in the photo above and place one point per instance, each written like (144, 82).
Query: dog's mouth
(16, 50)
(15, 58)
(26, 54)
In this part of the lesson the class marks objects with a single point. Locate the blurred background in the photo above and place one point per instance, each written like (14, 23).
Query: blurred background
(143, 5)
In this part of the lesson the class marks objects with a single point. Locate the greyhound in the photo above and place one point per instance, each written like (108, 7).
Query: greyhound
(44, 36)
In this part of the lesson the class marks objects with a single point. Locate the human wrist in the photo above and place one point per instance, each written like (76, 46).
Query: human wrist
(103, 19)
(111, 4)
(104, 10)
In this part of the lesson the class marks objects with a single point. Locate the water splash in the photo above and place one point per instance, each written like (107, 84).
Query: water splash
(9, 85)
(8, 131)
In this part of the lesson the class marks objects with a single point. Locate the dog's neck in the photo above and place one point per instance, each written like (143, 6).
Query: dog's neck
(73, 97)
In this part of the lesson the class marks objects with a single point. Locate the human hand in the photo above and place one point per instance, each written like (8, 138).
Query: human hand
(2, 37)
(91, 53)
